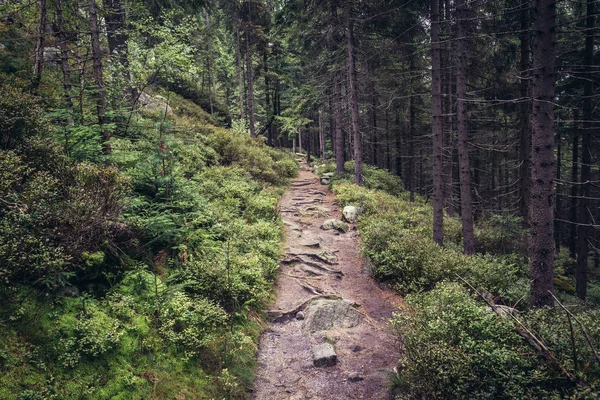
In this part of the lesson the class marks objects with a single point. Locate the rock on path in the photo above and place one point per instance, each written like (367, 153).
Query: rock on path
(329, 337)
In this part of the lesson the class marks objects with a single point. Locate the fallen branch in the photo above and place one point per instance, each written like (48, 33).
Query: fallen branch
(526, 334)
(587, 336)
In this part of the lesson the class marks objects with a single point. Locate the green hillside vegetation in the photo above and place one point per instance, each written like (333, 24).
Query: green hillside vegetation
(453, 345)
(138, 274)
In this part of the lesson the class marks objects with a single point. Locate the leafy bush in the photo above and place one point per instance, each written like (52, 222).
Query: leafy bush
(397, 241)
(21, 117)
(190, 324)
(373, 177)
(454, 347)
(92, 333)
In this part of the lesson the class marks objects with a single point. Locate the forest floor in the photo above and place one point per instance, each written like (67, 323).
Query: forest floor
(326, 303)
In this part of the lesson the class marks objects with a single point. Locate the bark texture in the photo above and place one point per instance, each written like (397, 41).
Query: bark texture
(351, 66)
(543, 163)
(437, 126)
(339, 135)
(466, 198)
(97, 62)
(581, 276)
(525, 116)
(39, 47)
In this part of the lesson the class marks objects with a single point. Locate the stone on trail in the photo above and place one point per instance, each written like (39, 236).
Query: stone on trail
(325, 314)
(350, 214)
(335, 224)
(328, 175)
(355, 377)
(324, 181)
(324, 355)
(310, 243)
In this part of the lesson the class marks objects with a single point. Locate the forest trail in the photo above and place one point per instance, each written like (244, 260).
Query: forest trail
(326, 303)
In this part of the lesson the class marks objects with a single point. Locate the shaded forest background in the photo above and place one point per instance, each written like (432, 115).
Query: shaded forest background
(140, 175)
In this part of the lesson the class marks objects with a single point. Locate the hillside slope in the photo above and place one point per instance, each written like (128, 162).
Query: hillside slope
(139, 275)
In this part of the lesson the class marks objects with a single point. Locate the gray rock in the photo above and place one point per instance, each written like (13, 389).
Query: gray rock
(324, 355)
(156, 103)
(328, 175)
(300, 315)
(326, 314)
(355, 377)
(324, 181)
(335, 224)
(350, 214)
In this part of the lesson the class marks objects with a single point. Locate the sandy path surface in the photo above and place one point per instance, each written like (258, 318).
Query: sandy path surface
(324, 266)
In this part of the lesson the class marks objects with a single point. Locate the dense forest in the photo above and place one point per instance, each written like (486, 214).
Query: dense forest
(145, 144)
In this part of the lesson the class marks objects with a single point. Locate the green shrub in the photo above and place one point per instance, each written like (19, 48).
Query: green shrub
(92, 333)
(190, 324)
(455, 347)
(21, 117)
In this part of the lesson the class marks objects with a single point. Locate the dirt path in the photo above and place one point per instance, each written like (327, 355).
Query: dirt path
(320, 268)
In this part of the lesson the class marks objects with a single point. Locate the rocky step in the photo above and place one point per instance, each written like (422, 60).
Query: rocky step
(324, 355)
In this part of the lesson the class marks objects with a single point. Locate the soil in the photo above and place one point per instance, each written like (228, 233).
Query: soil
(325, 264)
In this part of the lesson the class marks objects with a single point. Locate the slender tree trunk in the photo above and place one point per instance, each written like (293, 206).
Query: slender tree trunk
(250, 82)
(388, 139)
(437, 127)
(339, 136)
(372, 117)
(117, 37)
(524, 116)
(100, 91)
(581, 277)
(39, 47)
(358, 179)
(64, 56)
(557, 208)
(238, 63)
(399, 133)
(448, 120)
(410, 173)
(115, 31)
(268, 99)
(574, 188)
(542, 174)
(321, 135)
(463, 130)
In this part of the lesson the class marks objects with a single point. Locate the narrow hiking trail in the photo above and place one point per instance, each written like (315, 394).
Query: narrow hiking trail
(329, 336)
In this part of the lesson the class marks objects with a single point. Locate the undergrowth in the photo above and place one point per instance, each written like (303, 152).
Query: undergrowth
(138, 275)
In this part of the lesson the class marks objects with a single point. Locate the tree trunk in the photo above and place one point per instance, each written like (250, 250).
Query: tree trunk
(448, 120)
(574, 187)
(321, 135)
(463, 130)
(268, 99)
(524, 116)
(238, 63)
(557, 208)
(39, 47)
(250, 82)
(581, 276)
(410, 170)
(339, 135)
(97, 61)
(64, 56)
(542, 173)
(358, 179)
(115, 31)
(437, 127)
